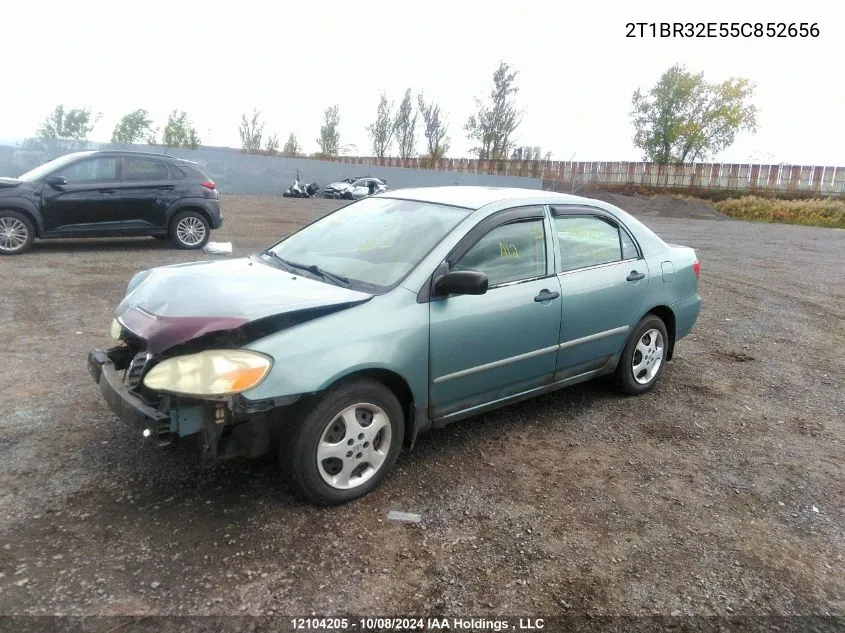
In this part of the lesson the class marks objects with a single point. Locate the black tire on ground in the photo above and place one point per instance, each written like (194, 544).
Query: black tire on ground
(16, 232)
(319, 418)
(187, 226)
(624, 376)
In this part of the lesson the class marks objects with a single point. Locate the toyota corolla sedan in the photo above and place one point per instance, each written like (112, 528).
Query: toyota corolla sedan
(337, 346)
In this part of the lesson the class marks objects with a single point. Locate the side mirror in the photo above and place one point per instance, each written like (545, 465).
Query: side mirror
(461, 282)
(56, 181)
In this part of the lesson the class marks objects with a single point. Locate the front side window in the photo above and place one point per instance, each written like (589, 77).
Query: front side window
(588, 241)
(375, 242)
(508, 253)
(141, 169)
(91, 170)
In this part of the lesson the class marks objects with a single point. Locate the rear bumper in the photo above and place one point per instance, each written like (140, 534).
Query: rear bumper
(686, 314)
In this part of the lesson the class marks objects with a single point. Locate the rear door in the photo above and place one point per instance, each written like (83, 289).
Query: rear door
(147, 190)
(603, 281)
(88, 200)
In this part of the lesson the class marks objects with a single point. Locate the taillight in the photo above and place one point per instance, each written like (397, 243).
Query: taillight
(209, 184)
(697, 269)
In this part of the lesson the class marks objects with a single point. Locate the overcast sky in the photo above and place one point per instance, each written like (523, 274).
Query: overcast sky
(292, 60)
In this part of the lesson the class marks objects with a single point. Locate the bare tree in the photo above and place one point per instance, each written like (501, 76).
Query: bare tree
(272, 145)
(434, 128)
(493, 126)
(251, 132)
(292, 146)
(382, 129)
(405, 125)
(329, 140)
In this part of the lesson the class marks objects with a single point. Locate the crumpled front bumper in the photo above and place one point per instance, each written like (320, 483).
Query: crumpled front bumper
(152, 423)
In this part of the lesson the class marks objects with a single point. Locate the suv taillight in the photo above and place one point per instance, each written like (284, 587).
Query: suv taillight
(697, 269)
(209, 184)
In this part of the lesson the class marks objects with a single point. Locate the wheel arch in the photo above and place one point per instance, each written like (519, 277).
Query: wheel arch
(666, 315)
(26, 209)
(400, 388)
(189, 206)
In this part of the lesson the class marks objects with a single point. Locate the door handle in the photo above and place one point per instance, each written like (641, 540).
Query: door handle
(546, 295)
(635, 276)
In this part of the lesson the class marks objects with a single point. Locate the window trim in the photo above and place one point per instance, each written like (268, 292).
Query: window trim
(474, 235)
(588, 211)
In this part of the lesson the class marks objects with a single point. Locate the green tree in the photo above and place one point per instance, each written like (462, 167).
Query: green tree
(406, 127)
(493, 125)
(383, 128)
(179, 132)
(683, 118)
(435, 128)
(329, 139)
(251, 131)
(132, 128)
(73, 124)
(292, 146)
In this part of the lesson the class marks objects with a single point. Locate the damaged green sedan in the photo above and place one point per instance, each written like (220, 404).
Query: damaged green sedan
(340, 344)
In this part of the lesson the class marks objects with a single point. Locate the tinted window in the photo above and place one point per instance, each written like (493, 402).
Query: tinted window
(629, 249)
(135, 169)
(586, 241)
(91, 170)
(511, 252)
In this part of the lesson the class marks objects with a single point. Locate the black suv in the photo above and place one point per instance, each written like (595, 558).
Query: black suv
(109, 194)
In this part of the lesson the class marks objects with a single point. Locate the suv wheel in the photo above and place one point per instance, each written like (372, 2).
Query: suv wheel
(189, 230)
(344, 443)
(16, 232)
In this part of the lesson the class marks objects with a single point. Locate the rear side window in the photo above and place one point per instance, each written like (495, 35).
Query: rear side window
(144, 169)
(629, 249)
(587, 241)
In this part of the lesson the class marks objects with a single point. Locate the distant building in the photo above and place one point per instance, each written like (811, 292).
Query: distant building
(526, 153)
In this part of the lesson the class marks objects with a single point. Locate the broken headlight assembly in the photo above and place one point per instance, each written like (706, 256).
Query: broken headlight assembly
(116, 329)
(210, 373)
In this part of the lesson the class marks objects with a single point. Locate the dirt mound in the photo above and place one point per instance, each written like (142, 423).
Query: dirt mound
(661, 206)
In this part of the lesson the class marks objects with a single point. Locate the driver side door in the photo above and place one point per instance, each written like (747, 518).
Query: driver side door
(490, 347)
(88, 199)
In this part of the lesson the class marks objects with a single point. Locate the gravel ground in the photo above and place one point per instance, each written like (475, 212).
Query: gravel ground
(719, 492)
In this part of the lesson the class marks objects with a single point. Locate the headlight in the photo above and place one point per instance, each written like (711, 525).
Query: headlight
(210, 373)
(116, 329)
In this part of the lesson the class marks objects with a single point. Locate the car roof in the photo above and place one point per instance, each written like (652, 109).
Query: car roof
(119, 152)
(475, 197)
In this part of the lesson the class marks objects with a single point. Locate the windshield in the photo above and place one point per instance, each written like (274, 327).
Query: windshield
(42, 170)
(375, 242)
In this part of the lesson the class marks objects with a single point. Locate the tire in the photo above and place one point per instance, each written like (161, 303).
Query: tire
(369, 457)
(16, 232)
(648, 342)
(189, 230)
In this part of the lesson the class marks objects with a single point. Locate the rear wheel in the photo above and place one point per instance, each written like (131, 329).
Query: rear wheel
(16, 232)
(643, 358)
(344, 445)
(189, 230)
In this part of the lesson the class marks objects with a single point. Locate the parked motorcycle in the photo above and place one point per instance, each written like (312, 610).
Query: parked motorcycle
(298, 190)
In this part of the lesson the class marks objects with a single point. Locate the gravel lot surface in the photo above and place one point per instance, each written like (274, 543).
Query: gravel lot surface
(722, 491)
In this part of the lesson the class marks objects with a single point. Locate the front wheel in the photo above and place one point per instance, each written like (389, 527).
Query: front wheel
(344, 446)
(189, 230)
(643, 358)
(16, 233)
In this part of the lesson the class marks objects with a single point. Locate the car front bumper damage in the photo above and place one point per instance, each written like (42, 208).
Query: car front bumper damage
(225, 428)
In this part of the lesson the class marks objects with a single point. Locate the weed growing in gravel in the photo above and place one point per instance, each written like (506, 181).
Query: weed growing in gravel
(825, 212)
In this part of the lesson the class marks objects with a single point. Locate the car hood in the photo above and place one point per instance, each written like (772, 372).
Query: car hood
(339, 185)
(9, 183)
(169, 305)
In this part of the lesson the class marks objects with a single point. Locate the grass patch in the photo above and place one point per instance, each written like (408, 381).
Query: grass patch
(825, 212)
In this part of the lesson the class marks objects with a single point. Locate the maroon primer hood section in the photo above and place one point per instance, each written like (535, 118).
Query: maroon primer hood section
(161, 332)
